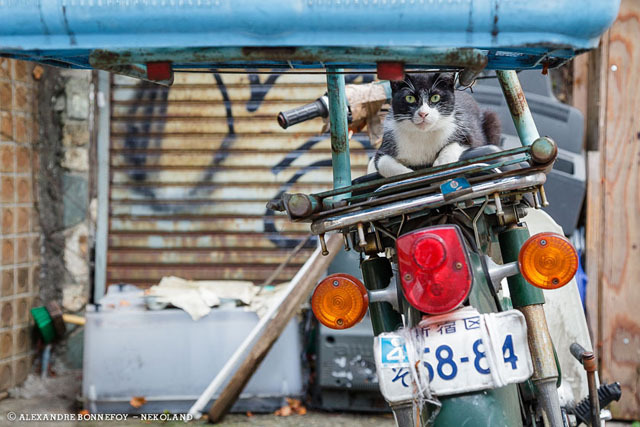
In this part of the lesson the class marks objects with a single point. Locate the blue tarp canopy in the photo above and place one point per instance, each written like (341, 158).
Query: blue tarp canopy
(109, 34)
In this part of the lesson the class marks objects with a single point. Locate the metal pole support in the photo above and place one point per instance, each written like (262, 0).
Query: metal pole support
(518, 107)
(529, 300)
(339, 130)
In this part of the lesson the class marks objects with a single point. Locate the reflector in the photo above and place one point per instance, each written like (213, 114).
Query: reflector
(429, 252)
(159, 71)
(548, 260)
(434, 268)
(340, 301)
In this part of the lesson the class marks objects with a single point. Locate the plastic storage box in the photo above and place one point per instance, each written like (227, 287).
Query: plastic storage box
(167, 358)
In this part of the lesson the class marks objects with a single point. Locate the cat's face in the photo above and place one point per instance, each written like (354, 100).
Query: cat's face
(424, 99)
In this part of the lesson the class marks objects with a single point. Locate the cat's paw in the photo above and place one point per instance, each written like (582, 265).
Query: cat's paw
(388, 166)
(449, 154)
(442, 161)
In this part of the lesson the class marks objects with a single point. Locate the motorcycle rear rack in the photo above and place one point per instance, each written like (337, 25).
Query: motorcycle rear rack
(506, 185)
(379, 199)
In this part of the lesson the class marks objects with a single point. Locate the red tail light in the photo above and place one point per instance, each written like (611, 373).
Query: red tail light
(434, 268)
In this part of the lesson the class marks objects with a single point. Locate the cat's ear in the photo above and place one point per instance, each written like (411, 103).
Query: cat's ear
(396, 85)
(449, 79)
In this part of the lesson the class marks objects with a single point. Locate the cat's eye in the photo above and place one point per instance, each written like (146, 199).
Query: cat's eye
(410, 99)
(435, 98)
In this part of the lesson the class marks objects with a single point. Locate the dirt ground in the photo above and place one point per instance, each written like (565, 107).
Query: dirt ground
(59, 396)
(311, 419)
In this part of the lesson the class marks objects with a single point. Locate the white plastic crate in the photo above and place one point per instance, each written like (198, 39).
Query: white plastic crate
(167, 358)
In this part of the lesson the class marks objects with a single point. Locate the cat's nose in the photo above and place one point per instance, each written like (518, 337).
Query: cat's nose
(423, 114)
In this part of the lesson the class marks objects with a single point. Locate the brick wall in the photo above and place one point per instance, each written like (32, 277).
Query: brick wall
(19, 237)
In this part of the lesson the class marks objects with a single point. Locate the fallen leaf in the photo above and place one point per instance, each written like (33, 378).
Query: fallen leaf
(84, 412)
(285, 411)
(249, 414)
(124, 303)
(293, 406)
(137, 401)
(37, 72)
(294, 403)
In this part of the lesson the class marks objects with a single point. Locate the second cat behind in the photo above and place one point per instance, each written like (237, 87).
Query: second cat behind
(430, 124)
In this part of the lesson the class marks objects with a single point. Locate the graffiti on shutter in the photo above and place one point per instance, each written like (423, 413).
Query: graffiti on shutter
(193, 165)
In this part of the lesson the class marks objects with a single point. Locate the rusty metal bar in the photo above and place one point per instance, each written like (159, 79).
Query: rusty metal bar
(545, 371)
(339, 132)
(588, 360)
(451, 169)
(456, 58)
(520, 113)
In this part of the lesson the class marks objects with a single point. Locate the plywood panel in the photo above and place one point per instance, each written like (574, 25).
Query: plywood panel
(620, 302)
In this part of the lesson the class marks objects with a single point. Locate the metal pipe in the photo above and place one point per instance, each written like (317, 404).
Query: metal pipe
(529, 300)
(545, 371)
(497, 272)
(518, 107)
(433, 173)
(377, 274)
(593, 398)
(588, 360)
(339, 222)
(522, 293)
(388, 294)
(103, 97)
(339, 131)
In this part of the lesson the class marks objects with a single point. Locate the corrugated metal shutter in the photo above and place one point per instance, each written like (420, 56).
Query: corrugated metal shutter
(192, 167)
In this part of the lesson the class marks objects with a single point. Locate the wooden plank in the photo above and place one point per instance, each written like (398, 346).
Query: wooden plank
(596, 92)
(594, 246)
(621, 221)
(580, 87)
(258, 352)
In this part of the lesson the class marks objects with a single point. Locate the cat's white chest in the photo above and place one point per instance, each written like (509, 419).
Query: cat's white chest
(416, 147)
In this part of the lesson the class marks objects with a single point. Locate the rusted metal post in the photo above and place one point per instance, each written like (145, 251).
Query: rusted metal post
(520, 113)
(339, 130)
(529, 300)
(588, 360)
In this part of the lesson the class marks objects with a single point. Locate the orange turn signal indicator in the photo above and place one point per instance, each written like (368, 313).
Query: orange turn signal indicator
(340, 301)
(548, 260)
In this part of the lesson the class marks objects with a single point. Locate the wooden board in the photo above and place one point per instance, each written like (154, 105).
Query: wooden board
(274, 328)
(580, 87)
(620, 294)
(594, 246)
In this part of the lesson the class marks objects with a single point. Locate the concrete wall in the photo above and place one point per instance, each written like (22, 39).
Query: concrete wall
(76, 118)
(63, 192)
(19, 232)
(45, 116)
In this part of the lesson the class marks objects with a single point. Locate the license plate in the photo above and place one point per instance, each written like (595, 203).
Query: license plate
(461, 351)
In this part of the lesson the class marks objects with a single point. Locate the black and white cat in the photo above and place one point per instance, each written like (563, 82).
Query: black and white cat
(430, 124)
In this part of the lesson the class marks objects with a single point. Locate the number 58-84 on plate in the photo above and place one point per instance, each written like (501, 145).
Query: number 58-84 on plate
(453, 354)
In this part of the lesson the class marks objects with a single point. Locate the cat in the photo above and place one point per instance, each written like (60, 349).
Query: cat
(430, 124)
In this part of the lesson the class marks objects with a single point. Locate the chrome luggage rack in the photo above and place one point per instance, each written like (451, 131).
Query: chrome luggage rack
(463, 182)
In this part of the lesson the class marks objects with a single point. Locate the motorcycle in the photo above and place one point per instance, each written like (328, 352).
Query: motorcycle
(452, 346)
